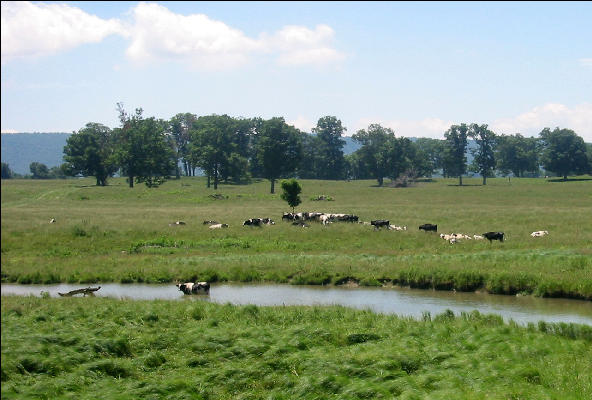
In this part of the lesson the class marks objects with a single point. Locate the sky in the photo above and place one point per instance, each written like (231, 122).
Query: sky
(415, 67)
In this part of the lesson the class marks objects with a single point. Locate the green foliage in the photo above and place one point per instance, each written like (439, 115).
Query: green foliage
(6, 171)
(564, 152)
(291, 192)
(454, 160)
(280, 352)
(39, 170)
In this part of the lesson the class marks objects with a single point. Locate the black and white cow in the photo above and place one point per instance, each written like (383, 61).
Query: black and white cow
(429, 227)
(494, 236)
(194, 288)
(210, 222)
(379, 223)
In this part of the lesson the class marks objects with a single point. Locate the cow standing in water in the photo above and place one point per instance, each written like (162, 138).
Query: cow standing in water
(194, 288)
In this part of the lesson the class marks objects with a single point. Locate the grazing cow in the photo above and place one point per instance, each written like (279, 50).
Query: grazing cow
(51, 221)
(194, 288)
(252, 222)
(494, 236)
(428, 227)
(218, 226)
(380, 222)
(539, 233)
(397, 228)
(300, 223)
(210, 222)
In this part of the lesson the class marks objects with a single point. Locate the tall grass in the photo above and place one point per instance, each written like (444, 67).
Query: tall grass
(115, 233)
(105, 348)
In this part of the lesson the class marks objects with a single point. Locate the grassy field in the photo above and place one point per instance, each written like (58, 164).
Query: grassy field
(118, 234)
(89, 348)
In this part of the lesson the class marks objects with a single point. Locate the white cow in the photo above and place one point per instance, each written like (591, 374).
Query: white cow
(539, 233)
(218, 226)
(397, 228)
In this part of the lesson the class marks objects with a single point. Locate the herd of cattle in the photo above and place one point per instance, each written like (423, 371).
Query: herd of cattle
(302, 219)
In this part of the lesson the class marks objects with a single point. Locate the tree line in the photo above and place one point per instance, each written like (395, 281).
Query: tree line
(228, 149)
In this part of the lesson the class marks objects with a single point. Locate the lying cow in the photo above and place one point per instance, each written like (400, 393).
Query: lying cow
(379, 223)
(194, 288)
(494, 236)
(539, 233)
(397, 228)
(177, 223)
(428, 227)
(218, 226)
(210, 222)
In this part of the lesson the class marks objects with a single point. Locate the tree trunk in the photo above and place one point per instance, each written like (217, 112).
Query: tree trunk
(380, 181)
(131, 181)
(484, 180)
(216, 178)
(460, 180)
(272, 186)
(564, 177)
(208, 181)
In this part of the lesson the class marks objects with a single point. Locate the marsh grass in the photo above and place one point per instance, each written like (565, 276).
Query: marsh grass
(117, 234)
(97, 347)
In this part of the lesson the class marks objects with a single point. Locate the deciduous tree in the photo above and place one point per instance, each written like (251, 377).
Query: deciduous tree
(564, 152)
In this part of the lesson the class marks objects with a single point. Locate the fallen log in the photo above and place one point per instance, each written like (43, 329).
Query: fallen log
(89, 290)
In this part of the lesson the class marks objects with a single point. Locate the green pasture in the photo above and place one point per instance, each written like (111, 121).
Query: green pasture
(118, 234)
(89, 348)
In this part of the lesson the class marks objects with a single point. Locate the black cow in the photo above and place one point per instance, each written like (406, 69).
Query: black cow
(380, 222)
(429, 227)
(253, 222)
(494, 236)
(194, 288)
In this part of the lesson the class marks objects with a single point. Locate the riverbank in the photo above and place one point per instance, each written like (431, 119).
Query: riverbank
(118, 234)
(202, 350)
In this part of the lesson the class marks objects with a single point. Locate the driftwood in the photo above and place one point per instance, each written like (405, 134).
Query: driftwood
(90, 291)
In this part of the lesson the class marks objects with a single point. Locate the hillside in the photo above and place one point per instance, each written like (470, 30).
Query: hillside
(19, 150)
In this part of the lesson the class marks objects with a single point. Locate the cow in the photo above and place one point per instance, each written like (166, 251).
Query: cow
(325, 219)
(210, 222)
(218, 226)
(177, 223)
(380, 222)
(539, 233)
(51, 221)
(253, 222)
(267, 221)
(397, 228)
(494, 236)
(300, 223)
(428, 227)
(194, 288)
(478, 237)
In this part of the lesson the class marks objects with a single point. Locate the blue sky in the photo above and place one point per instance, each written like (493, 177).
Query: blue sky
(417, 67)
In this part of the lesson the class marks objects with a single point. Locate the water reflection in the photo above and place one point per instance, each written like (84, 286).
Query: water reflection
(401, 301)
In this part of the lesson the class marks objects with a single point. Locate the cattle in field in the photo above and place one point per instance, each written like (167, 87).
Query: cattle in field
(51, 221)
(301, 224)
(539, 233)
(253, 222)
(218, 226)
(194, 288)
(324, 219)
(478, 237)
(380, 223)
(210, 222)
(494, 236)
(177, 223)
(397, 228)
(428, 227)
(267, 221)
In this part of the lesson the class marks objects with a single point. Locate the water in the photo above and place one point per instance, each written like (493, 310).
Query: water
(400, 301)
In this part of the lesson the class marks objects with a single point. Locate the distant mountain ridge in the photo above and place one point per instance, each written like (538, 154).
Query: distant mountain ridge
(19, 150)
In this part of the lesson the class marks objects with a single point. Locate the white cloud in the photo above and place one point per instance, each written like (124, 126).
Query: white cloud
(302, 123)
(158, 34)
(33, 30)
(299, 45)
(551, 115)
(586, 62)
